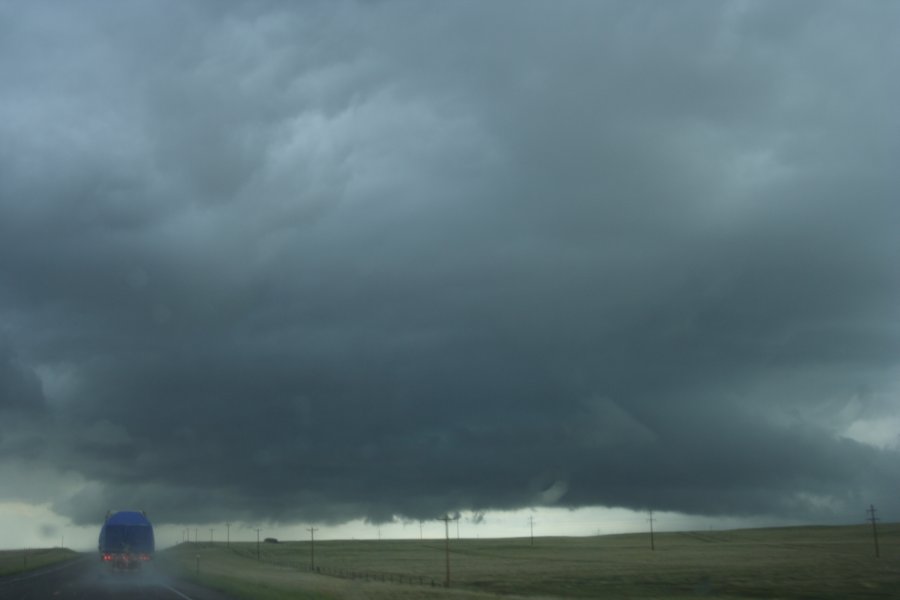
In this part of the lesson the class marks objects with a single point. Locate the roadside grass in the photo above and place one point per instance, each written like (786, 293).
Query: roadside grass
(828, 563)
(20, 561)
(235, 571)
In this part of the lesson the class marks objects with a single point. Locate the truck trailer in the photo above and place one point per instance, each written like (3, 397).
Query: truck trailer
(126, 540)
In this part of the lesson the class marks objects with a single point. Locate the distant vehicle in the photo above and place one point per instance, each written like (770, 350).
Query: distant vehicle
(126, 540)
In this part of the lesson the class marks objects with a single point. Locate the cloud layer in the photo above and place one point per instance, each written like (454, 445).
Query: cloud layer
(340, 260)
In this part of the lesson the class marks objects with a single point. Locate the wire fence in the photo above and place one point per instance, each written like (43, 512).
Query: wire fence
(421, 580)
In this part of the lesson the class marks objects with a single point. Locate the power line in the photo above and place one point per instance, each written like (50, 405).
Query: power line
(872, 518)
(312, 547)
(531, 523)
(446, 519)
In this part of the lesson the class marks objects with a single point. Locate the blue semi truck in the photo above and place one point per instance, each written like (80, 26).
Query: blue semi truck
(126, 540)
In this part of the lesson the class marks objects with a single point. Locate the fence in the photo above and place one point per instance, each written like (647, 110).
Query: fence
(376, 576)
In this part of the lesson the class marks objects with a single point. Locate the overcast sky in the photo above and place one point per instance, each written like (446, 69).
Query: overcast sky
(327, 261)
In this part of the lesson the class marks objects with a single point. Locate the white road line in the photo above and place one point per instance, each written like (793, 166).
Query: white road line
(177, 593)
(43, 571)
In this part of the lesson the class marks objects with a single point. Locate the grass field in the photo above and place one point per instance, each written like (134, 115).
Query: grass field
(808, 562)
(17, 561)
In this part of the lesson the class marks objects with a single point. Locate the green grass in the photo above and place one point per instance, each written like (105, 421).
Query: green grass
(18, 561)
(790, 563)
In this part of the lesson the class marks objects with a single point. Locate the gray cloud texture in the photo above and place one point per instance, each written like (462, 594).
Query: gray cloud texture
(330, 260)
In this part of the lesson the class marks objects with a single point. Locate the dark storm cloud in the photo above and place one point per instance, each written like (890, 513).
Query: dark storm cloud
(372, 259)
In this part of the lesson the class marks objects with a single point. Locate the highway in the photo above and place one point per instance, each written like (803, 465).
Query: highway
(88, 578)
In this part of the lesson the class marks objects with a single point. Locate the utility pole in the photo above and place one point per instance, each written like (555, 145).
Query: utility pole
(312, 547)
(227, 534)
(871, 512)
(211, 536)
(257, 543)
(446, 519)
(420, 531)
(651, 519)
(531, 523)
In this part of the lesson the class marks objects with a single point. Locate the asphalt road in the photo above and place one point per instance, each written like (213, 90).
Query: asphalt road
(88, 578)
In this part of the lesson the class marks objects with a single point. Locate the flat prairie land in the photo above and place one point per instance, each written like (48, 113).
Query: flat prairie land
(17, 561)
(801, 562)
